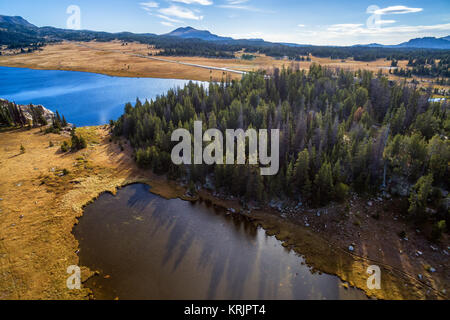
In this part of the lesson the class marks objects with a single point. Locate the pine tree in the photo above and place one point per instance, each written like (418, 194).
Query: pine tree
(323, 183)
(419, 196)
(301, 173)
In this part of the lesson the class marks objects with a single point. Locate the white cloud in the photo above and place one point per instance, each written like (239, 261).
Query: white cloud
(381, 22)
(344, 27)
(168, 18)
(241, 5)
(394, 10)
(167, 24)
(301, 25)
(351, 34)
(200, 2)
(360, 29)
(149, 5)
(235, 2)
(179, 12)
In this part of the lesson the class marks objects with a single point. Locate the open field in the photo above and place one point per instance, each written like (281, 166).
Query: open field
(132, 60)
(114, 59)
(40, 203)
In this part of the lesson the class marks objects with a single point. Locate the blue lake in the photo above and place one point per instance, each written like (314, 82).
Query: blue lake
(85, 99)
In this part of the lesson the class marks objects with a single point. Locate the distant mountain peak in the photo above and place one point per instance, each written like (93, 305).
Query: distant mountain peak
(427, 42)
(16, 20)
(192, 33)
(183, 29)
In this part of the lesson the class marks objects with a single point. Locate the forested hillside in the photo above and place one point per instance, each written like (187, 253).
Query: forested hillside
(339, 131)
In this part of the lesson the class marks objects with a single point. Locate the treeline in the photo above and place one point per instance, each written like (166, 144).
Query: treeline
(358, 53)
(193, 51)
(58, 123)
(426, 67)
(12, 114)
(339, 132)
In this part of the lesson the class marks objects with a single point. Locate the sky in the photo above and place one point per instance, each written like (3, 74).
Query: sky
(317, 22)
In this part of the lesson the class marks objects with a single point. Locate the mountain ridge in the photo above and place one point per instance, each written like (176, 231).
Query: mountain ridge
(192, 33)
(425, 42)
(18, 27)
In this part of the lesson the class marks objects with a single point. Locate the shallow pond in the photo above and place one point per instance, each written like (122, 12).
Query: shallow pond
(147, 247)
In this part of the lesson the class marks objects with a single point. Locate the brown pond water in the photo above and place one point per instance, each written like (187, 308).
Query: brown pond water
(147, 247)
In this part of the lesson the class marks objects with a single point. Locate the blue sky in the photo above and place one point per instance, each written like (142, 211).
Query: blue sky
(344, 22)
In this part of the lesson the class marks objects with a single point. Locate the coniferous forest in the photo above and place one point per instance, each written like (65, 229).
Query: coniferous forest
(340, 132)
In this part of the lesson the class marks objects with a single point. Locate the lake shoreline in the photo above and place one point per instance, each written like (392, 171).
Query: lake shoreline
(109, 74)
(130, 61)
(78, 95)
(103, 167)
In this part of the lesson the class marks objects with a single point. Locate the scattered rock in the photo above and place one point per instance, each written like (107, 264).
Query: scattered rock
(444, 192)
(21, 216)
(19, 184)
(1, 199)
(432, 270)
(419, 253)
(351, 248)
(433, 248)
(420, 276)
(370, 203)
(400, 187)
(345, 285)
(232, 210)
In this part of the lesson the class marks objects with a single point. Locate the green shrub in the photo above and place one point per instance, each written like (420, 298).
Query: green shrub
(64, 146)
(341, 191)
(438, 229)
